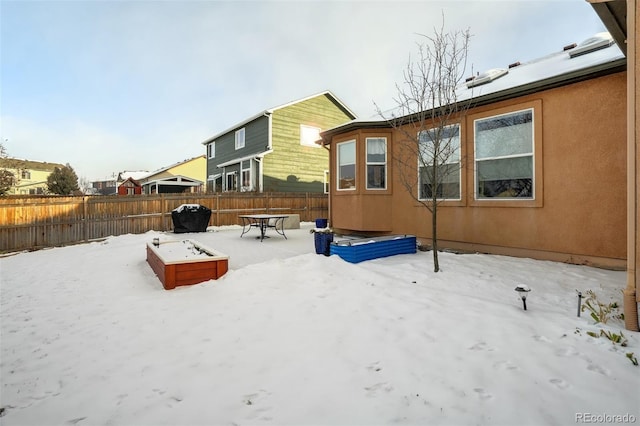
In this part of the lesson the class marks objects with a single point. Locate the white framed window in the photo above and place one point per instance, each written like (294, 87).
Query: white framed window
(245, 172)
(504, 159)
(211, 150)
(443, 145)
(232, 181)
(327, 184)
(376, 162)
(309, 135)
(240, 138)
(346, 160)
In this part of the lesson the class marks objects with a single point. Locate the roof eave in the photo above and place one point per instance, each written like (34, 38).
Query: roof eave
(264, 113)
(560, 80)
(618, 65)
(613, 14)
(270, 111)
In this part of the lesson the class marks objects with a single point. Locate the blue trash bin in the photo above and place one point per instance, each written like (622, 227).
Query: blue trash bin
(323, 242)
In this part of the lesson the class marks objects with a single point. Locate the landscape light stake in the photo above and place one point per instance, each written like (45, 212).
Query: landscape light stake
(523, 289)
(579, 301)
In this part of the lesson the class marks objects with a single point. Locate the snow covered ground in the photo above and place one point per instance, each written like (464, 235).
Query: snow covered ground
(288, 337)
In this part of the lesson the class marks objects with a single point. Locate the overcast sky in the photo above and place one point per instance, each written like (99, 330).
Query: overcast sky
(109, 86)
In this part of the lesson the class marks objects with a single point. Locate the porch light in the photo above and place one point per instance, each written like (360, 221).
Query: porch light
(523, 289)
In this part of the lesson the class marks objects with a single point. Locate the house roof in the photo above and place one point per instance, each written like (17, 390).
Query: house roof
(132, 180)
(137, 175)
(247, 157)
(164, 169)
(17, 163)
(554, 70)
(177, 180)
(268, 112)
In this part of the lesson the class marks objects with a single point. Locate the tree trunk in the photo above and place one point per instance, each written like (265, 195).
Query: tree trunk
(434, 234)
(435, 181)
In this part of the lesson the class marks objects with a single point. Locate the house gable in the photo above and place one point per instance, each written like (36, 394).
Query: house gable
(272, 158)
(294, 166)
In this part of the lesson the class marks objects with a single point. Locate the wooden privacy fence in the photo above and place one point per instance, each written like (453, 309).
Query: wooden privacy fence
(28, 223)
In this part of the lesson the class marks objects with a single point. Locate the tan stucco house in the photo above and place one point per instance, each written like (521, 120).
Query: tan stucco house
(546, 164)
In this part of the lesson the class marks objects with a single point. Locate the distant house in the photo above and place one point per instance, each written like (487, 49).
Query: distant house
(30, 176)
(105, 187)
(130, 187)
(542, 164)
(111, 185)
(185, 176)
(135, 175)
(275, 150)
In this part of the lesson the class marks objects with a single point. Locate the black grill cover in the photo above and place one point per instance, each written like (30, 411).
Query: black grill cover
(190, 218)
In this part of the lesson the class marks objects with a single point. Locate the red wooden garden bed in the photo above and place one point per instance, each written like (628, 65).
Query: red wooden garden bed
(185, 262)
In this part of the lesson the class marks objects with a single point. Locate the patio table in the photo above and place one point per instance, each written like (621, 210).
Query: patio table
(263, 222)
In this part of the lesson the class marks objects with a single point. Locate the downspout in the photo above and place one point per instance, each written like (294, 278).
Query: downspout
(329, 192)
(631, 295)
(269, 115)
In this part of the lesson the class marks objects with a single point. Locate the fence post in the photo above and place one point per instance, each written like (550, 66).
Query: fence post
(268, 202)
(218, 209)
(85, 219)
(163, 208)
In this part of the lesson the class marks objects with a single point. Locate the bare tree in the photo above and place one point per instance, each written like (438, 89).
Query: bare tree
(427, 154)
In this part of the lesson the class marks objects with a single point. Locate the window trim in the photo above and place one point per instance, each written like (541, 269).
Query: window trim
(503, 157)
(226, 181)
(211, 150)
(326, 181)
(368, 163)
(538, 159)
(355, 165)
(240, 138)
(242, 171)
(459, 162)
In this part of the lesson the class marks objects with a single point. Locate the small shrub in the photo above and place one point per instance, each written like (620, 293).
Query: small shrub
(615, 338)
(632, 358)
(600, 312)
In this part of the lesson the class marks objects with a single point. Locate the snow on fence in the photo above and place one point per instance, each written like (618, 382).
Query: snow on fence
(32, 222)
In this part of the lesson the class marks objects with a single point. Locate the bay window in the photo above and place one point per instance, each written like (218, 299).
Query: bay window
(376, 163)
(346, 164)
